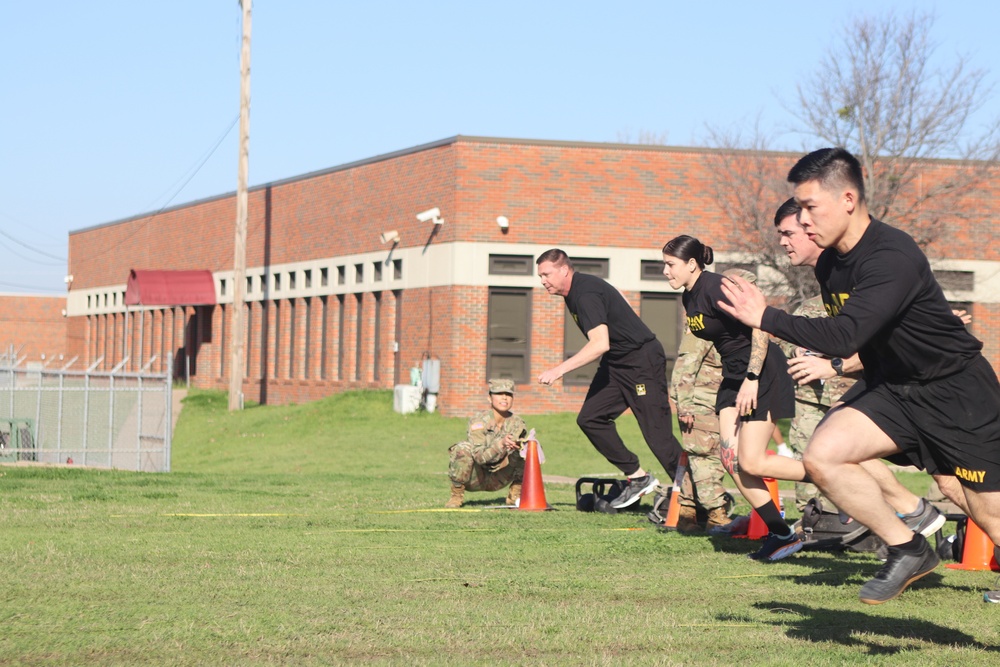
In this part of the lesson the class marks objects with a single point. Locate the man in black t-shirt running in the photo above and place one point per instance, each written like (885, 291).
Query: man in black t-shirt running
(632, 373)
(930, 394)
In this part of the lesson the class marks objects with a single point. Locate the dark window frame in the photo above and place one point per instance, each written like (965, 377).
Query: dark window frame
(495, 350)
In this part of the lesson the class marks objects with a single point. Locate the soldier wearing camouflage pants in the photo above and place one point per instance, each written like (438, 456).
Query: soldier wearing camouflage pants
(489, 459)
(693, 385)
(812, 402)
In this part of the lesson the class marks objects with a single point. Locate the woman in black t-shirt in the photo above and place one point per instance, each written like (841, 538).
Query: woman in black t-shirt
(756, 389)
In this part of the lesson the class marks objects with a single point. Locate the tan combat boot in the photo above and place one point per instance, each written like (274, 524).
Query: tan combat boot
(687, 520)
(717, 518)
(514, 494)
(457, 496)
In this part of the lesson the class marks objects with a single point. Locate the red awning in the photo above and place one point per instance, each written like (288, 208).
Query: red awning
(170, 288)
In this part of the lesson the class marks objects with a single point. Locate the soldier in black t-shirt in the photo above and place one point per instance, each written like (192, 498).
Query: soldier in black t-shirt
(755, 391)
(929, 393)
(631, 373)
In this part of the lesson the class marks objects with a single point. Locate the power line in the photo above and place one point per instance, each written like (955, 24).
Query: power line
(27, 287)
(139, 227)
(30, 247)
(61, 262)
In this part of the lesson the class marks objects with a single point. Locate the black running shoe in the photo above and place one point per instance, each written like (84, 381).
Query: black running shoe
(926, 520)
(635, 489)
(776, 547)
(900, 570)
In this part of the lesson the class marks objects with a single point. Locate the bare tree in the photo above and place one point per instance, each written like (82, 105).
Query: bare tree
(749, 184)
(879, 95)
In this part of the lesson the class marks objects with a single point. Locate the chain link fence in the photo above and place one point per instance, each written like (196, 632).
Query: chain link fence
(104, 420)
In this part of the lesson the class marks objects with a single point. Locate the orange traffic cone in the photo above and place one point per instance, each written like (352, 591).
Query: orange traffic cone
(674, 508)
(758, 529)
(977, 554)
(532, 489)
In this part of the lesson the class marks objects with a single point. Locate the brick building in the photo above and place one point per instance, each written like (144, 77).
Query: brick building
(33, 329)
(330, 306)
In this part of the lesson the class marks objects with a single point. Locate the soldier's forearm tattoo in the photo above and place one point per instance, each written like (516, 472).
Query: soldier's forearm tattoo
(758, 351)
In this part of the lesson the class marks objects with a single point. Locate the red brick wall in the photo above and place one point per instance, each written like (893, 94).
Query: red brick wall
(34, 326)
(553, 194)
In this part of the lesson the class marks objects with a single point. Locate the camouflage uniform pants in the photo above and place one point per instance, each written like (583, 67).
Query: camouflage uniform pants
(463, 469)
(702, 447)
(807, 418)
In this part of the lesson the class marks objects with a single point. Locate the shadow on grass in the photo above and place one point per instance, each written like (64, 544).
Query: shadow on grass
(857, 629)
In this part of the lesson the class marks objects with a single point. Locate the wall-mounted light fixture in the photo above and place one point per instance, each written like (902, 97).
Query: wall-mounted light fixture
(431, 215)
(389, 237)
(503, 223)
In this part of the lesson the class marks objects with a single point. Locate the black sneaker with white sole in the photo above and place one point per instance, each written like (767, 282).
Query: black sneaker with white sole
(926, 520)
(776, 547)
(635, 488)
(900, 570)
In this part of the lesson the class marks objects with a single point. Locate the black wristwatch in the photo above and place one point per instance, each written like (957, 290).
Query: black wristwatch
(838, 365)
(753, 377)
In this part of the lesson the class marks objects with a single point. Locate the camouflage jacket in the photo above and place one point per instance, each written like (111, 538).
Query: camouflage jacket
(817, 393)
(696, 377)
(486, 437)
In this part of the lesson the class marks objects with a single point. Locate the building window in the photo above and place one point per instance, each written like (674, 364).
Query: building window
(307, 278)
(222, 340)
(600, 267)
(323, 313)
(248, 350)
(511, 265)
(291, 338)
(573, 342)
(358, 334)
(376, 337)
(277, 282)
(88, 300)
(377, 271)
(276, 338)
(651, 269)
(341, 275)
(397, 269)
(956, 281)
(292, 275)
(222, 287)
(249, 284)
(341, 336)
(508, 343)
(359, 274)
(324, 277)
(664, 315)
(307, 348)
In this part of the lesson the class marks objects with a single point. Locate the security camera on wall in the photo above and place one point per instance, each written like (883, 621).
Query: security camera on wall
(431, 215)
(387, 237)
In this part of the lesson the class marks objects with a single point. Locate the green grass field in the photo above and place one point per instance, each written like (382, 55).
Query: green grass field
(313, 535)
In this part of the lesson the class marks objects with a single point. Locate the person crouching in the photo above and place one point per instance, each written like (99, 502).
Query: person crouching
(488, 459)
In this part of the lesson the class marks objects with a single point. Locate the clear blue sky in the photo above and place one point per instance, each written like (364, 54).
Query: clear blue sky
(109, 107)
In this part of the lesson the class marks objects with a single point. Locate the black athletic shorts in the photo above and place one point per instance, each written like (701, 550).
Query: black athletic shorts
(775, 393)
(949, 426)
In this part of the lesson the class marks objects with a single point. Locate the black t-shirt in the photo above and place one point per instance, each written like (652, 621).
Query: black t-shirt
(707, 321)
(593, 302)
(885, 304)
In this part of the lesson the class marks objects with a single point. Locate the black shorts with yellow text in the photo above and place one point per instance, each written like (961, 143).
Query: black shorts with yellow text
(949, 426)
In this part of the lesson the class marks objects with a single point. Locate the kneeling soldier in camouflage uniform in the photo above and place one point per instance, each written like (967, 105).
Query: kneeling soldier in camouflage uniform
(489, 459)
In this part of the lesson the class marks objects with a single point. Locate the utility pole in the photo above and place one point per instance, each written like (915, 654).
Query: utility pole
(236, 367)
